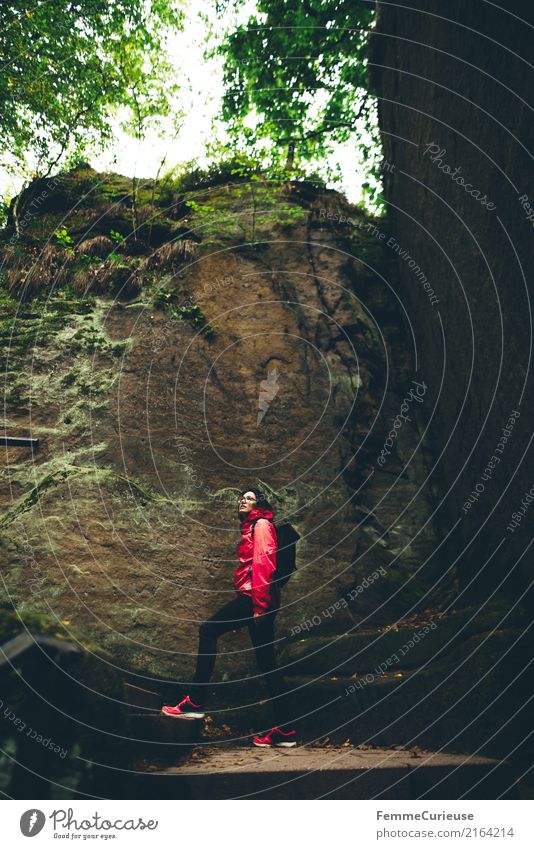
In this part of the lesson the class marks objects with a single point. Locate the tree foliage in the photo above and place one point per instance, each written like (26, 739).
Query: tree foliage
(298, 69)
(66, 63)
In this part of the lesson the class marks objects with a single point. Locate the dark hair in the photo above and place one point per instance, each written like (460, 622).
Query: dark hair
(261, 499)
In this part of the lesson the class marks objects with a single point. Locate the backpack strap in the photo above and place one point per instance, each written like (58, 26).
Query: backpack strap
(257, 520)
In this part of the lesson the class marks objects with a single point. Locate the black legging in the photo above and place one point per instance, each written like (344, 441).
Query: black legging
(236, 614)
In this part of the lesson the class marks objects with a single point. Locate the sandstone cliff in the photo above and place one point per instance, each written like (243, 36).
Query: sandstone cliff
(138, 360)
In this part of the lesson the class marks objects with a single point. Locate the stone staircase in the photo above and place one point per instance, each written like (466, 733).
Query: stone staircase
(173, 760)
(374, 722)
(155, 737)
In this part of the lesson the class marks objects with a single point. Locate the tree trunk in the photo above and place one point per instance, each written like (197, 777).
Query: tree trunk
(290, 160)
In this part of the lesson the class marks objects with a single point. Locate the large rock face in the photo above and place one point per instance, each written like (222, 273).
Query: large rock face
(455, 104)
(267, 347)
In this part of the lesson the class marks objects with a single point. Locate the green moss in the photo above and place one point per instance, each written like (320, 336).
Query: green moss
(118, 349)
(87, 338)
(193, 314)
(165, 298)
(16, 396)
(69, 305)
(68, 379)
(123, 485)
(11, 624)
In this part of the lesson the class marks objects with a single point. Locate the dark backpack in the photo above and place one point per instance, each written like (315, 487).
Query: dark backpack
(286, 552)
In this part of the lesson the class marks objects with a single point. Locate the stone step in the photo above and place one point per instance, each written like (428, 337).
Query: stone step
(158, 737)
(138, 698)
(362, 651)
(331, 773)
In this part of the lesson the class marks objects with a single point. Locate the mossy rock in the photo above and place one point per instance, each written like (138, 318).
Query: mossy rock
(11, 624)
(65, 716)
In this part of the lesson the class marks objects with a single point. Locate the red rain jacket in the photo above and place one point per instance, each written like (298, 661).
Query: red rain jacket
(257, 561)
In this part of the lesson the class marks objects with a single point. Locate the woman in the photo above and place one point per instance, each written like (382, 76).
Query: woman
(255, 605)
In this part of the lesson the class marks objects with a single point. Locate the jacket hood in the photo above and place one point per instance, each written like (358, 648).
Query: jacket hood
(254, 514)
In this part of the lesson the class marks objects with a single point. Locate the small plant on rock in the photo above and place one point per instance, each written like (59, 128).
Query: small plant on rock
(64, 239)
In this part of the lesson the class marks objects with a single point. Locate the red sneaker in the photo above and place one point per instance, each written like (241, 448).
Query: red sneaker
(275, 737)
(186, 709)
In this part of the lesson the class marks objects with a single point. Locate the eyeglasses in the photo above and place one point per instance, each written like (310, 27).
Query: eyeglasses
(247, 498)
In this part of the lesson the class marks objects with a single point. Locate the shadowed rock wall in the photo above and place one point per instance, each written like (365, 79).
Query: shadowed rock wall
(455, 93)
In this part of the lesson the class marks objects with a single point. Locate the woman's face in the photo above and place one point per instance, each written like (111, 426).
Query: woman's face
(247, 502)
